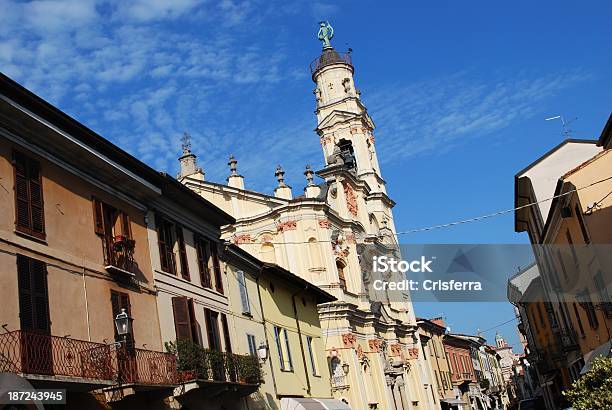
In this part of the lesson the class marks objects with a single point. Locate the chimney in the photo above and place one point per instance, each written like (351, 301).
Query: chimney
(282, 190)
(234, 180)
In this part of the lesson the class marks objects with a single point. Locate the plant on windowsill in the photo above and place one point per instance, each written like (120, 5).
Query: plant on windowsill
(249, 369)
(190, 359)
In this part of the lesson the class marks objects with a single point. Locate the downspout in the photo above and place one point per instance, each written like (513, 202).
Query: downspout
(86, 307)
(263, 319)
(297, 322)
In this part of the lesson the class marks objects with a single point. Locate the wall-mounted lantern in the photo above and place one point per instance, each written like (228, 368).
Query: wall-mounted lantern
(123, 323)
(262, 352)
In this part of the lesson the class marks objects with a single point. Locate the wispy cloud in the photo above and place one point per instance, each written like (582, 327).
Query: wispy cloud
(432, 115)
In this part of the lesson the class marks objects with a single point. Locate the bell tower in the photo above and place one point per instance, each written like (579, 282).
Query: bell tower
(344, 126)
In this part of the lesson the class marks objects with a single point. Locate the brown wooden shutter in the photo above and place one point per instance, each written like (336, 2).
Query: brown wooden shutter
(226, 334)
(33, 295)
(202, 251)
(195, 327)
(182, 324)
(98, 214)
(212, 329)
(126, 230)
(164, 240)
(216, 268)
(29, 207)
(182, 253)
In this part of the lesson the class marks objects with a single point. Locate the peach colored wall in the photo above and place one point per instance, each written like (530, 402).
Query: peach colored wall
(72, 249)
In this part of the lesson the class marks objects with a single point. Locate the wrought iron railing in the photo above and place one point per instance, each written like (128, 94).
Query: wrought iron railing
(119, 252)
(39, 354)
(195, 362)
(35, 353)
(330, 57)
(146, 367)
(461, 376)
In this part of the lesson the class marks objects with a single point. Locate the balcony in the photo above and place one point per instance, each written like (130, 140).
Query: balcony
(329, 57)
(214, 371)
(78, 365)
(49, 361)
(461, 377)
(569, 340)
(119, 254)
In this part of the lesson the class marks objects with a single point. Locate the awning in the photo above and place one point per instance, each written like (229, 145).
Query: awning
(603, 350)
(303, 403)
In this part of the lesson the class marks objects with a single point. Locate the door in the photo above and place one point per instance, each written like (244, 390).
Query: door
(36, 341)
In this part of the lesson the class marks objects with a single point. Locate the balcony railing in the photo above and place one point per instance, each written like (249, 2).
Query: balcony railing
(196, 363)
(119, 253)
(38, 354)
(459, 377)
(30, 353)
(143, 367)
(330, 57)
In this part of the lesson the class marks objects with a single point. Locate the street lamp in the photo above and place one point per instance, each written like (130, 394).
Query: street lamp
(345, 368)
(123, 323)
(262, 351)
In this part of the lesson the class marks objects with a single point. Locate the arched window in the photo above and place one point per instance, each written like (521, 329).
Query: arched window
(267, 253)
(315, 253)
(341, 273)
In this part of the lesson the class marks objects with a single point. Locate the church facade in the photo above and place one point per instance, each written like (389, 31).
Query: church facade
(372, 346)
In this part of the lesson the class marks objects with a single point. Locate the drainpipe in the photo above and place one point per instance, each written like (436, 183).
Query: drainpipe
(263, 319)
(297, 322)
(86, 307)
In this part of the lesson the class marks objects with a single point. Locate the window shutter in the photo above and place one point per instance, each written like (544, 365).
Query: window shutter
(279, 347)
(288, 350)
(26, 309)
(126, 230)
(164, 240)
(98, 214)
(217, 268)
(244, 296)
(226, 334)
(212, 330)
(202, 251)
(29, 209)
(182, 323)
(182, 253)
(195, 328)
(33, 295)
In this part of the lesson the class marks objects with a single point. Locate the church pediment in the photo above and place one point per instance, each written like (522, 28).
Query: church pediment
(337, 117)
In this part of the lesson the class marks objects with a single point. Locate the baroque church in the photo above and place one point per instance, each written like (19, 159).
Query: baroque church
(372, 346)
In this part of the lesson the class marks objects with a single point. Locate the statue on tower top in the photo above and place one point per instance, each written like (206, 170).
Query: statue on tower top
(326, 33)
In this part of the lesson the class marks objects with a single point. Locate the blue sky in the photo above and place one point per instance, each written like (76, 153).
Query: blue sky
(458, 90)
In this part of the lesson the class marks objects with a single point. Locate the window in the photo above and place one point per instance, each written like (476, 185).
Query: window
(578, 319)
(560, 257)
(252, 345)
(244, 296)
(585, 234)
(120, 301)
(203, 252)
(212, 329)
(29, 208)
(587, 304)
(568, 236)
(180, 239)
(216, 268)
(282, 345)
(33, 295)
(226, 333)
(166, 245)
(542, 323)
(311, 354)
(113, 227)
(341, 277)
(604, 296)
(185, 322)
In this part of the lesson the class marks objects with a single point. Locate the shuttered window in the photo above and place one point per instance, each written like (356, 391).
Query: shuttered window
(244, 296)
(182, 320)
(281, 337)
(212, 329)
(165, 244)
(182, 253)
(120, 301)
(226, 333)
(202, 250)
(310, 343)
(29, 208)
(252, 346)
(216, 268)
(33, 295)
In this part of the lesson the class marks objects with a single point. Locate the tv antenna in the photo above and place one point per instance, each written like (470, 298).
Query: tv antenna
(565, 130)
